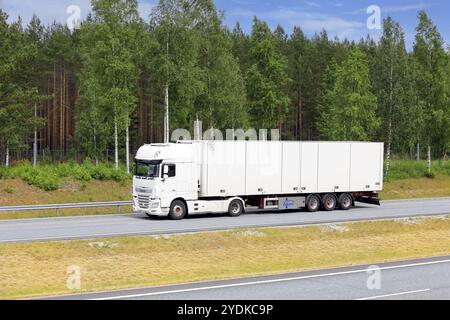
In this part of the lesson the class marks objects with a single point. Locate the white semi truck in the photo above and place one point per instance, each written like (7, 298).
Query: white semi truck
(188, 178)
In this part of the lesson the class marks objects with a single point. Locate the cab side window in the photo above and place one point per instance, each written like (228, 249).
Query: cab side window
(172, 170)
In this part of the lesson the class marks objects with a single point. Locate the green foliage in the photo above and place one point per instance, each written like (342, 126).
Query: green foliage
(407, 169)
(110, 50)
(49, 177)
(193, 56)
(393, 86)
(267, 79)
(309, 88)
(432, 88)
(348, 109)
(18, 92)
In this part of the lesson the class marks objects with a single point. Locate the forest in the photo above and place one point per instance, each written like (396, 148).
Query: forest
(98, 92)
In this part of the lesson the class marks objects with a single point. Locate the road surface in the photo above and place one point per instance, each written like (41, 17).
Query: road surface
(409, 280)
(124, 225)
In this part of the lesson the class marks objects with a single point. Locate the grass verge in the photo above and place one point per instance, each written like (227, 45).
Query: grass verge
(40, 268)
(417, 188)
(17, 192)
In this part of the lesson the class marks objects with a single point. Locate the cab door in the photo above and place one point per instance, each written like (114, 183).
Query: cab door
(169, 185)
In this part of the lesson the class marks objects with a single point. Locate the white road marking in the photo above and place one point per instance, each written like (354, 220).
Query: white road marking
(394, 295)
(271, 281)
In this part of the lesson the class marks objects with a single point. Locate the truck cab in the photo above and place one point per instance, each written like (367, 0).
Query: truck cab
(163, 174)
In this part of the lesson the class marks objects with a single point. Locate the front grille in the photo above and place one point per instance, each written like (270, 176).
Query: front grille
(144, 201)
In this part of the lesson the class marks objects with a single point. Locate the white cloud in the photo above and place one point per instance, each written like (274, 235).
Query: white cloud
(395, 9)
(312, 4)
(47, 10)
(309, 21)
(55, 10)
(406, 8)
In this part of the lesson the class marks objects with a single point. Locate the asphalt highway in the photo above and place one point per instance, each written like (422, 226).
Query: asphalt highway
(426, 279)
(90, 227)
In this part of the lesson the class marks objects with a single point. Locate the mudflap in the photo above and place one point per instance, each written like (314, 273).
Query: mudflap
(369, 200)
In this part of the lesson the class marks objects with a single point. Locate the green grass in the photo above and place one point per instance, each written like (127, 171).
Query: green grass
(437, 187)
(407, 169)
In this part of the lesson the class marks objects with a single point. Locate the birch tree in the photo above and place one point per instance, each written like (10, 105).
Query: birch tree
(430, 59)
(393, 88)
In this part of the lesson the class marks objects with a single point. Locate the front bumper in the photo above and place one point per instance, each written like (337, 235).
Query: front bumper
(151, 207)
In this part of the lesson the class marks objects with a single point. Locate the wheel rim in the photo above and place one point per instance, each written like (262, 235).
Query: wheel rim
(346, 202)
(314, 203)
(235, 208)
(178, 210)
(330, 203)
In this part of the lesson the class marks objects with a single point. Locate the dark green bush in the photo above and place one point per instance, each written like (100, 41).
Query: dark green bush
(407, 169)
(48, 177)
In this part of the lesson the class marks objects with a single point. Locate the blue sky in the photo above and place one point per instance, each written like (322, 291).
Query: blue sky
(343, 18)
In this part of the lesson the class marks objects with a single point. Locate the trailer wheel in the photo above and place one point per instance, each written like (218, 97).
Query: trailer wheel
(178, 210)
(236, 208)
(345, 201)
(313, 203)
(329, 202)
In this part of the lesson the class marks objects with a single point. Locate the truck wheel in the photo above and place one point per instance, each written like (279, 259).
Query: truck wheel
(329, 202)
(178, 210)
(345, 201)
(313, 203)
(236, 208)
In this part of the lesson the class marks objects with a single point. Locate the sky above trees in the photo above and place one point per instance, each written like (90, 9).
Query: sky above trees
(343, 18)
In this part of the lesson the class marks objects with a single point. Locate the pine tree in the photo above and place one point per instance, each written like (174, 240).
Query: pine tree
(17, 93)
(223, 102)
(267, 79)
(319, 57)
(301, 86)
(241, 47)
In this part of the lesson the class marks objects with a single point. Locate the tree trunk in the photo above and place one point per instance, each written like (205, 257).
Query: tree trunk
(391, 102)
(166, 116)
(116, 144)
(128, 148)
(35, 146)
(429, 159)
(418, 152)
(7, 155)
(389, 149)
(95, 147)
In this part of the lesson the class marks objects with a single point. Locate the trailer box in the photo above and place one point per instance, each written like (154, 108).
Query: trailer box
(274, 168)
(216, 176)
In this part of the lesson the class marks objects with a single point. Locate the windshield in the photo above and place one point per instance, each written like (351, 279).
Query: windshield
(147, 169)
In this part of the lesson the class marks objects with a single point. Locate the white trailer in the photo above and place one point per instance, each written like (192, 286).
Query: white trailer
(175, 180)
